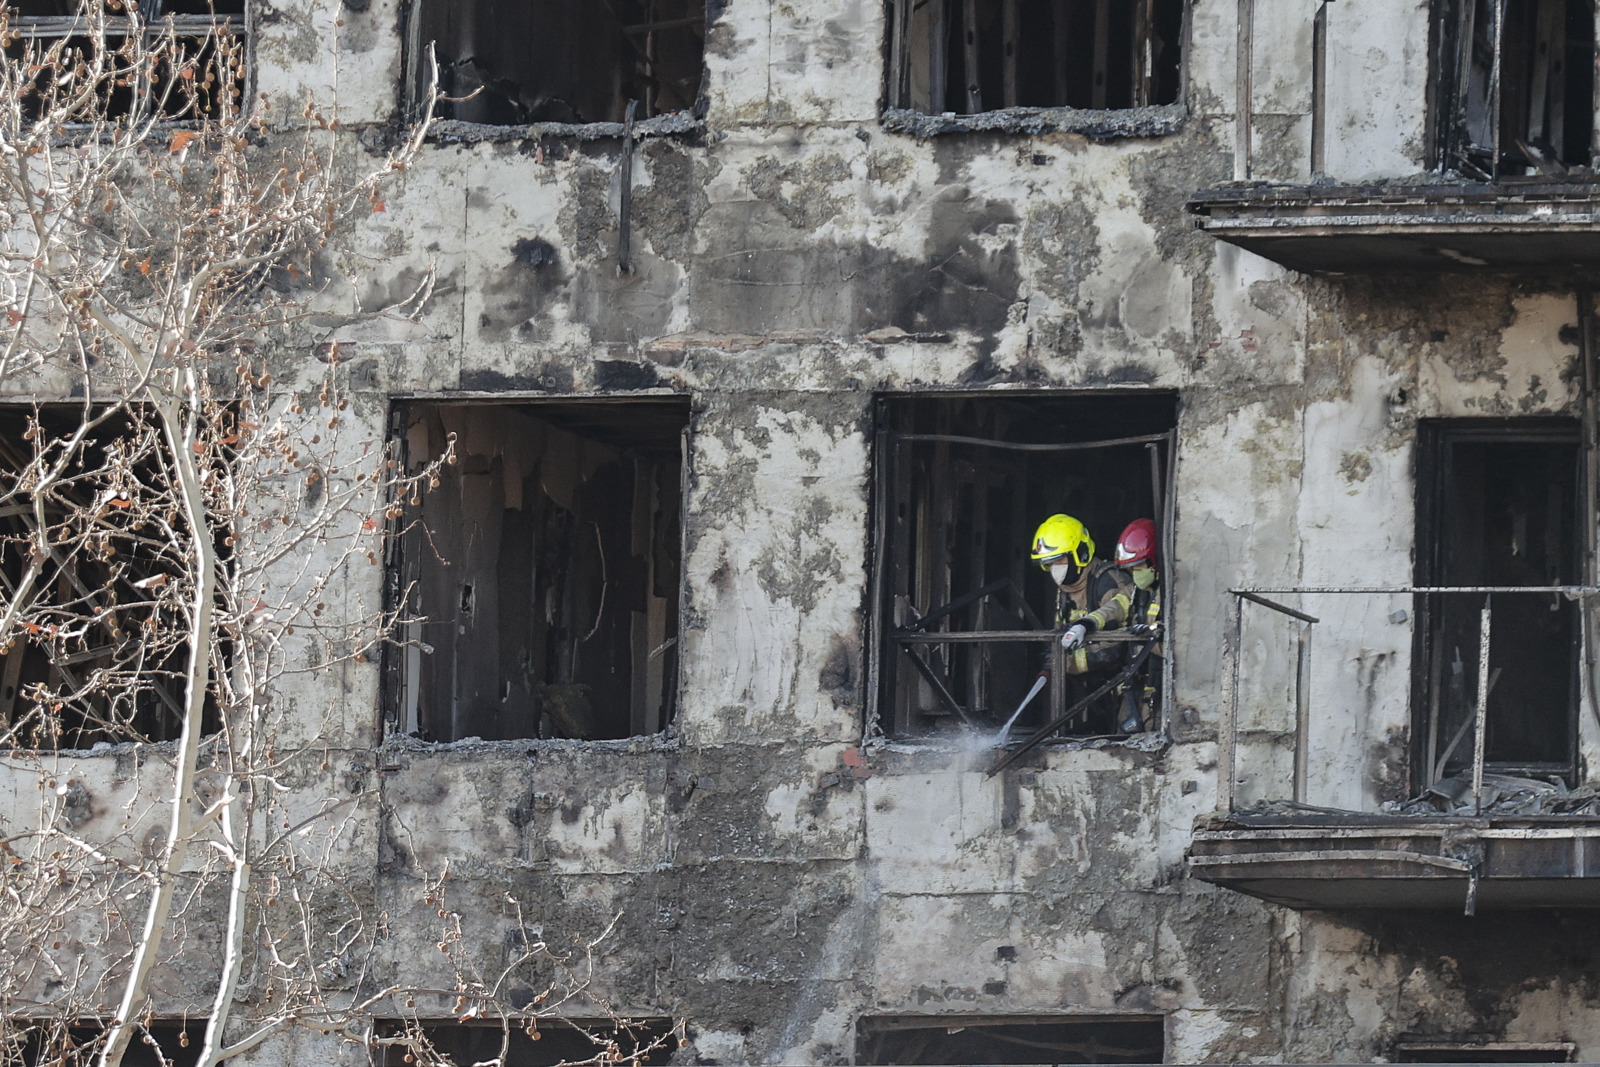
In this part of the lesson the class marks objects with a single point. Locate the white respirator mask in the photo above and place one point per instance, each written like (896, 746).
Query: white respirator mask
(1060, 571)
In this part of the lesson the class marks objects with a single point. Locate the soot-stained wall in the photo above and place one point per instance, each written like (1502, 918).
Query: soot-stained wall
(778, 870)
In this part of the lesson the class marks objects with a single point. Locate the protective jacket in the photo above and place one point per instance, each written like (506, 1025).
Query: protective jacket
(1101, 599)
(1146, 610)
(1139, 694)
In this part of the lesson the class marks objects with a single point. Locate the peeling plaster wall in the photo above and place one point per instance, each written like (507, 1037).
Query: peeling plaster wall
(775, 879)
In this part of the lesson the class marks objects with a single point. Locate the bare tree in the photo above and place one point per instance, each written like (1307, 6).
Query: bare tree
(178, 531)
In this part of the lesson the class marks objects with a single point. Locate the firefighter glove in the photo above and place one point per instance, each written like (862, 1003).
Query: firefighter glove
(1074, 637)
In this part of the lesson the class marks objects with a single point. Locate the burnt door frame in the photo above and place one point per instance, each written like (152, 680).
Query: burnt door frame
(1435, 440)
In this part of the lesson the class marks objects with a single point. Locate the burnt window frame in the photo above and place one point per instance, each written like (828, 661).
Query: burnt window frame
(402, 579)
(1434, 440)
(1154, 118)
(1419, 1049)
(882, 715)
(161, 1041)
(655, 1039)
(413, 81)
(186, 27)
(1446, 100)
(148, 724)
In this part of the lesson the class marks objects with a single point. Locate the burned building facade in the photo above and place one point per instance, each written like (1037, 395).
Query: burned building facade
(767, 330)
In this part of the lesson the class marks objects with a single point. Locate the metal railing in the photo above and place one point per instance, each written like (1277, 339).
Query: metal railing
(916, 635)
(1233, 669)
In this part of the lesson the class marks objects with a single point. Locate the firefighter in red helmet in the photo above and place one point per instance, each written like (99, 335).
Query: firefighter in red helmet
(1136, 556)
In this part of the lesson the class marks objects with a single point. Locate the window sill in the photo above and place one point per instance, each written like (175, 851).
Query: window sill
(456, 132)
(638, 744)
(917, 754)
(1106, 124)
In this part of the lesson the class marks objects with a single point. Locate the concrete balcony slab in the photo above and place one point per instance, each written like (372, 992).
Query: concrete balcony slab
(1524, 227)
(1336, 862)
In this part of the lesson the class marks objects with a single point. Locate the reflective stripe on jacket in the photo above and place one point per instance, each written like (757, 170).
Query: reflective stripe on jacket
(1108, 591)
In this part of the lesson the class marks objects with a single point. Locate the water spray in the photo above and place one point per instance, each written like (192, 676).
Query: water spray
(1005, 731)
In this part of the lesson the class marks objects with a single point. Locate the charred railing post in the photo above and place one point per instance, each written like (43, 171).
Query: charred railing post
(1228, 730)
(1058, 680)
(969, 56)
(1228, 726)
(1241, 127)
(1495, 108)
(899, 54)
(1008, 52)
(1302, 711)
(1481, 721)
(1319, 90)
(1588, 491)
(1102, 53)
(625, 195)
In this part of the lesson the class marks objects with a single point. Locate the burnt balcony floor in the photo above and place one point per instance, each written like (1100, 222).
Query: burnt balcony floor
(1533, 226)
(1335, 862)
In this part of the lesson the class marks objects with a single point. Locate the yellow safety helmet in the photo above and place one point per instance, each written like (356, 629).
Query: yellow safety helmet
(1061, 536)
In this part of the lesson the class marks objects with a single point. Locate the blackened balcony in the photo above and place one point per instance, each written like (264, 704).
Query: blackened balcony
(1322, 806)
(1529, 226)
(1351, 861)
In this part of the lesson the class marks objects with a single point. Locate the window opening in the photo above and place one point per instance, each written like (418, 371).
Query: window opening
(44, 1044)
(545, 570)
(630, 1041)
(105, 566)
(1010, 1039)
(1515, 80)
(969, 56)
(1434, 1050)
(1497, 506)
(561, 61)
(207, 34)
(962, 485)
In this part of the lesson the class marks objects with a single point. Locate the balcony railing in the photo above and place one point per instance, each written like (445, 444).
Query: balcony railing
(1304, 680)
(1234, 770)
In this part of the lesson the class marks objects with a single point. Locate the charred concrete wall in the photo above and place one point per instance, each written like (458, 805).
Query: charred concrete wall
(779, 869)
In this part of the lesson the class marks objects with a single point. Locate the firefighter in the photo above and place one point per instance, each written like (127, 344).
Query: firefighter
(1091, 596)
(1136, 556)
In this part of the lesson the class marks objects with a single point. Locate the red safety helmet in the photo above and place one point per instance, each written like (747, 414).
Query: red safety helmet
(1137, 544)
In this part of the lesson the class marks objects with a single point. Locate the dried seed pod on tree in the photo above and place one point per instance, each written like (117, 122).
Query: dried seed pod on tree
(188, 482)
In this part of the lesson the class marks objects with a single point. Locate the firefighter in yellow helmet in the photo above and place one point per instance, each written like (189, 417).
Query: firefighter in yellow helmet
(1092, 595)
